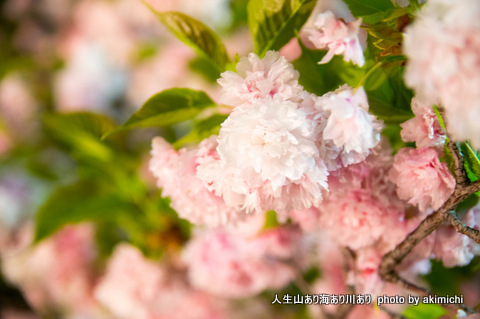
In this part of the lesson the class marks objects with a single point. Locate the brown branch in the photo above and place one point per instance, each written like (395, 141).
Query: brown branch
(460, 174)
(393, 258)
(392, 314)
(425, 292)
(462, 228)
(413, 287)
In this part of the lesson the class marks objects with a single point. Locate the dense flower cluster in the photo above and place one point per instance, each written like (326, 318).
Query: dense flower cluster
(233, 266)
(443, 66)
(305, 187)
(288, 139)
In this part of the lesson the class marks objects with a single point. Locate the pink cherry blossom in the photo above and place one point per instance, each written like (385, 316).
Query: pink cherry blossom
(356, 219)
(134, 287)
(331, 263)
(369, 177)
(365, 276)
(176, 175)
(268, 158)
(58, 272)
(456, 249)
(424, 128)
(259, 78)
(235, 266)
(421, 179)
(338, 37)
(350, 127)
(443, 46)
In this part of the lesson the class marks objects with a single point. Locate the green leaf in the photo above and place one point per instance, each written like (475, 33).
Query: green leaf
(424, 311)
(81, 133)
(387, 112)
(76, 203)
(447, 153)
(271, 220)
(322, 78)
(202, 129)
(362, 8)
(392, 132)
(468, 203)
(439, 116)
(383, 16)
(273, 23)
(196, 35)
(311, 275)
(471, 159)
(168, 107)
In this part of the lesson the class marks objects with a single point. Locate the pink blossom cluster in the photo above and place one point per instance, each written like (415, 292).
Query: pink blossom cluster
(317, 161)
(279, 144)
(338, 37)
(277, 147)
(233, 265)
(368, 211)
(135, 287)
(443, 66)
(421, 178)
(175, 172)
(57, 273)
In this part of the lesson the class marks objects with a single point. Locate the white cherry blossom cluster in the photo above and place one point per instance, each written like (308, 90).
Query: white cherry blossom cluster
(280, 143)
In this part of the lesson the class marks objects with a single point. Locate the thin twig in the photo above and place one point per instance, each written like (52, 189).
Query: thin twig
(425, 292)
(392, 314)
(462, 228)
(413, 287)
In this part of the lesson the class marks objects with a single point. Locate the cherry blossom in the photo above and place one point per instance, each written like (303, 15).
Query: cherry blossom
(350, 127)
(176, 175)
(424, 129)
(421, 179)
(258, 78)
(338, 37)
(443, 65)
(268, 158)
(235, 266)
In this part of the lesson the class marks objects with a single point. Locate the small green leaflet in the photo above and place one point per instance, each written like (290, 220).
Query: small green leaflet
(471, 160)
(273, 23)
(424, 311)
(446, 150)
(196, 35)
(361, 8)
(168, 107)
(271, 220)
